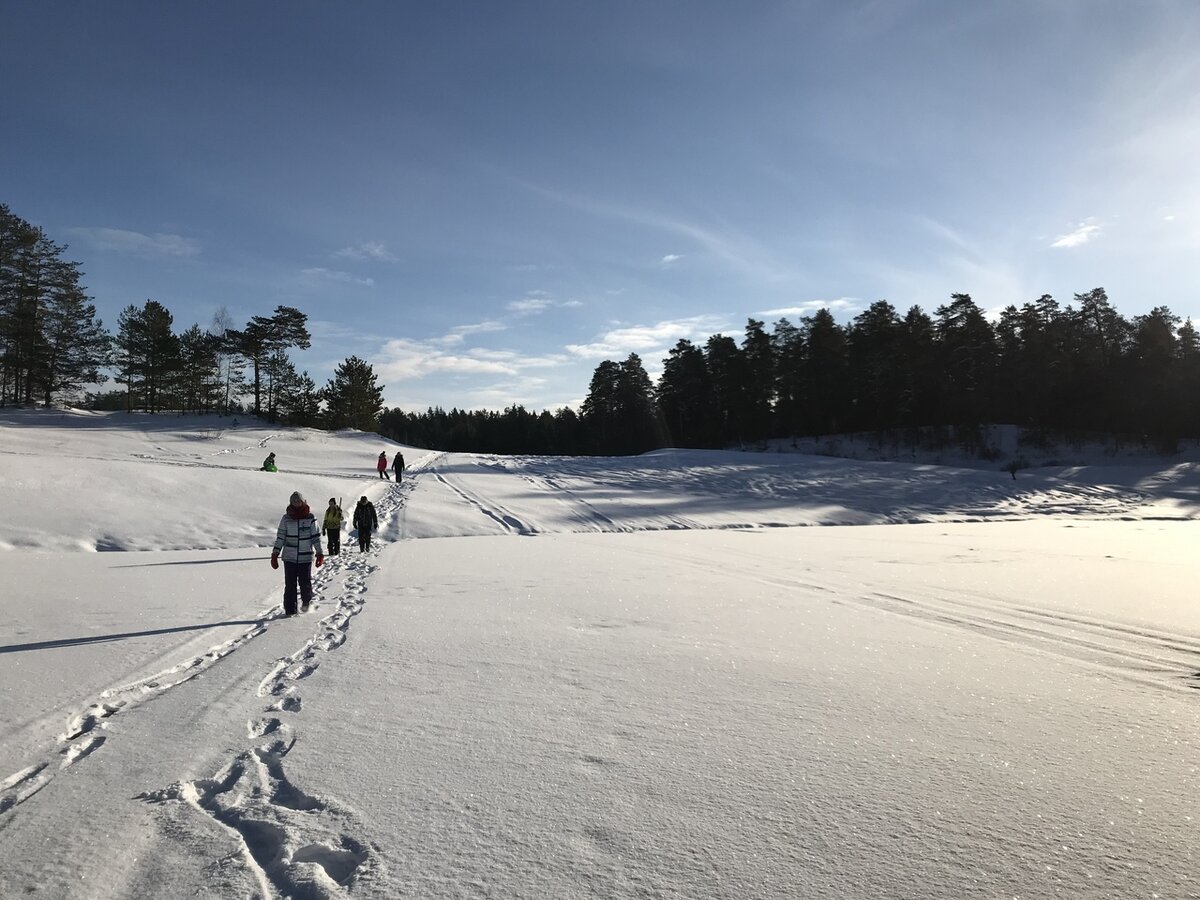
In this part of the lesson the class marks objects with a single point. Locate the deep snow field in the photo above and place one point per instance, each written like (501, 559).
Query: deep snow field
(564, 677)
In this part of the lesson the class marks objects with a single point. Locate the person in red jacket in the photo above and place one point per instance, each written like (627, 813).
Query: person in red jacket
(299, 540)
(381, 466)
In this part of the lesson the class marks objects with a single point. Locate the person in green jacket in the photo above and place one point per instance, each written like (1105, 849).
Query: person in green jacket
(332, 527)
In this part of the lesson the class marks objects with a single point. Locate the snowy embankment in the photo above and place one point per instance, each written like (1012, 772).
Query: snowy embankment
(567, 677)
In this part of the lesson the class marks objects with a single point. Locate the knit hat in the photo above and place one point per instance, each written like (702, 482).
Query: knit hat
(297, 499)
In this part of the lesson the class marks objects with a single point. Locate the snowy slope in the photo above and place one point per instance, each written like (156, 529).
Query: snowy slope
(565, 677)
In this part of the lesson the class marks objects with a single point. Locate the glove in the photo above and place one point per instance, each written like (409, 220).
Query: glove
(320, 561)
(274, 560)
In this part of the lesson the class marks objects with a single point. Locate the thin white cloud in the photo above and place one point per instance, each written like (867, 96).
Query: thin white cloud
(121, 241)
(671, 258)
(648, 338)
(322, 274)
(535, 302)
(529, 305)
(458, 333)
(404, 359)
(736, 250)
(840, 305)
(368, 250)
(1087, 230)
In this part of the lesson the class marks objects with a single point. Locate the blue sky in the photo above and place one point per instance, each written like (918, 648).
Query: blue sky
(486, 199)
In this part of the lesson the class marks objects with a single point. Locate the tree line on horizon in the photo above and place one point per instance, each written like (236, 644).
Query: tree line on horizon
(1070, 369)
(52, 347)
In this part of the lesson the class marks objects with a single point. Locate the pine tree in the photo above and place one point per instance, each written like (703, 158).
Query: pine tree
(198, 387)
(265, 338)
(727, 371)
(352, 398)
(231, 365)
(872, 346)
(759, 365)
(968, 355)
(684, 395)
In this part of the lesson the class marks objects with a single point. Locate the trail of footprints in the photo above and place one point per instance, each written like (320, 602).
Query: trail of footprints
(297, 845)
(83, 736)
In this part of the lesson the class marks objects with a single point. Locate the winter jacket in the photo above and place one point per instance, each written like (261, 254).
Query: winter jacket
(333, 519)
(398, 462)
(298, 536)
(381, 463)
(365, 519)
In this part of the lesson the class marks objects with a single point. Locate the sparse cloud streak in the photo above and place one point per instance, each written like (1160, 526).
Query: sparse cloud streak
(134, 242)
(536, 302)
(807, 308)
(1079, 236)
(322, 274)
(648, 338)
(368, 250)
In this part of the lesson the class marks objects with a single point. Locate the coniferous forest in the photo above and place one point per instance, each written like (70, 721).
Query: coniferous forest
(1066, 369)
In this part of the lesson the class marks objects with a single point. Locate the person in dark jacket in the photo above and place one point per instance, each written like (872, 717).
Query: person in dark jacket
(398, 465)
(365, 521)
(299, 540)
(269, 463)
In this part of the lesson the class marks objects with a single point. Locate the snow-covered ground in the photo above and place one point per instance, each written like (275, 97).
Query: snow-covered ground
(590, 678)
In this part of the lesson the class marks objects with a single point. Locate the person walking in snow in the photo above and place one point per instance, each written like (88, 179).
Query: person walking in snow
(365, 521)
(299, 540)
(331, 528)
(398, 465)
(269, 463)
(381, 466)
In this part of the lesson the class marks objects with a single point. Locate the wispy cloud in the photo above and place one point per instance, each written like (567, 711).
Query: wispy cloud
(1086, 230)
(648, 338)
(404, 359)
(321, 274)
(671, 258)
(151, 245)
(458, 333)
(538, 302)
(368, 250)
(808, 307)
(736, 250)
(529, 305)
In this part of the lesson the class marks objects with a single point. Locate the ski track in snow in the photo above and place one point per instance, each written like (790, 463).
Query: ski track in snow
(296, 844)
(1143, 655)
(493, 511)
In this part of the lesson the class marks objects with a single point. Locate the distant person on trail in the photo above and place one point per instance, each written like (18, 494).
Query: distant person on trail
(365, 521)
(269, 463)
(299, 540)
(398, 465)
(381, 466)
(332, 527)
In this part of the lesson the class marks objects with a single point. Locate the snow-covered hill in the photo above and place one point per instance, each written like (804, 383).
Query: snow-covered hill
(564, 677)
